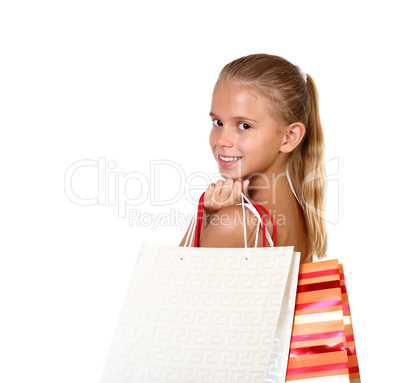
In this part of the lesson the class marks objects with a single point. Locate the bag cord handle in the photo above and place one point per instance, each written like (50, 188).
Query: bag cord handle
(260, 209)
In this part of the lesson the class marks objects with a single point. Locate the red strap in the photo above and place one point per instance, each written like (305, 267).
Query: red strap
(198, 224)
(264, 237)
(269, 216)
(258, 207)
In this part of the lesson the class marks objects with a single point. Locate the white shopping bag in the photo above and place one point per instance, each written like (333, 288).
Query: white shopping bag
(280, 351)
(205, 315)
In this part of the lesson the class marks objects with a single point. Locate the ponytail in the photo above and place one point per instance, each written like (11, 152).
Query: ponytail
(307, 174)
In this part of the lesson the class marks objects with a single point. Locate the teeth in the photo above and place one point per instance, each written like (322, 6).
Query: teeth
(227, 159)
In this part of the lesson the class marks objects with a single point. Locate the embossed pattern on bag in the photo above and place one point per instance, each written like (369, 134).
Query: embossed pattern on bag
(210, 317)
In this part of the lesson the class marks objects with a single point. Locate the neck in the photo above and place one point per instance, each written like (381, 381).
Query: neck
(267, 187)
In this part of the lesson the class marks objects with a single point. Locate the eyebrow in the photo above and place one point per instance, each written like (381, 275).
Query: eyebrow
(236, 118)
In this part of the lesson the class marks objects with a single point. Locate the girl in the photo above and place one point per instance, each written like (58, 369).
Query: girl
(268, 142)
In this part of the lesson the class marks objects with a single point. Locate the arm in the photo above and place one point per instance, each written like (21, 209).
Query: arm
(225, 228)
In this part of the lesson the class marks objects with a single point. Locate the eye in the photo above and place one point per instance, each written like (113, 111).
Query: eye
(217, 122)
(243, 126)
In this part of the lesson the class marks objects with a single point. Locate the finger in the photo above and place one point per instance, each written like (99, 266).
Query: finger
(210, 189)
(208, 194)
(219, 185)
(218, 190)
(246, 183)
(227, 191)
(236, 194)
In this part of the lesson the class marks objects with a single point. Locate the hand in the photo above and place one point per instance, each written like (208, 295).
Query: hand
(224, 193)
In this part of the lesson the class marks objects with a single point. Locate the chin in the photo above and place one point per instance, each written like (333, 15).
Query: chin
(225, 174)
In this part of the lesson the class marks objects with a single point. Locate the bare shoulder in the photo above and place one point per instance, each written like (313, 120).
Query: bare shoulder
(226, 228)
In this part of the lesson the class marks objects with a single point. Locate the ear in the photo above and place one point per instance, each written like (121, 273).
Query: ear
(294, 134)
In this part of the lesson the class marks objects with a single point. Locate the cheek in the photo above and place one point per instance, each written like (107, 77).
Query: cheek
(263, 148)
(253, 146)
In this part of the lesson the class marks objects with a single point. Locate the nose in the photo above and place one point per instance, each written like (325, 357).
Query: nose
(225, 138)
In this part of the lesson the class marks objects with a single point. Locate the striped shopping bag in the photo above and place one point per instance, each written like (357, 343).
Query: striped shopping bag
(322, 345)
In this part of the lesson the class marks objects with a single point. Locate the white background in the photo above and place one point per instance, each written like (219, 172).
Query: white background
(130, 82)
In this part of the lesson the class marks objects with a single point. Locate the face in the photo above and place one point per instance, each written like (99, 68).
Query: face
(245, 139)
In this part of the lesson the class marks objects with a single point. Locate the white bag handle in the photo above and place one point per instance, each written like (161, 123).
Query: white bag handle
(249, 205)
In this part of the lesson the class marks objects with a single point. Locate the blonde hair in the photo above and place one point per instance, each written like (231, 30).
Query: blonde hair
(292, 97)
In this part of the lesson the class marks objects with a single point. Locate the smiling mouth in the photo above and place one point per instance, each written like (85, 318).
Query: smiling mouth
(229, 159)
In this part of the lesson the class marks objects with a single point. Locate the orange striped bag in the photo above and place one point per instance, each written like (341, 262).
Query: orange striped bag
(322, 346)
